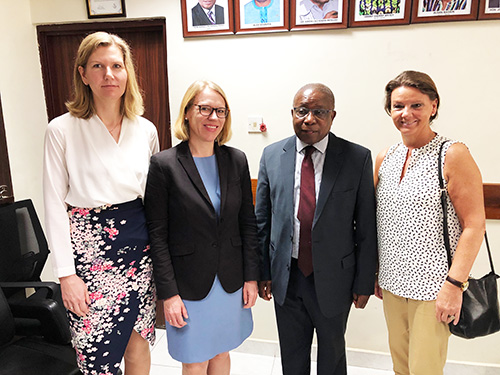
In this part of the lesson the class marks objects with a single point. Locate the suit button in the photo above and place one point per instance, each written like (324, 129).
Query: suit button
(214, 244)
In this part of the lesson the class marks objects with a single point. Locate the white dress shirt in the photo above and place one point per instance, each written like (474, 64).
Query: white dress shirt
(318, 159)
(85, 167)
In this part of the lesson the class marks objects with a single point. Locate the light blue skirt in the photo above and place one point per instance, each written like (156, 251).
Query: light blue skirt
(216, 324)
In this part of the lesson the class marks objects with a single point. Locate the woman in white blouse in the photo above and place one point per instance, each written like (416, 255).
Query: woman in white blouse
(95, 167)
(421, 296)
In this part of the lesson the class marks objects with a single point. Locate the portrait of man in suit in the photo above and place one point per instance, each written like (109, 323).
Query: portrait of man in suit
(206, 12)
(315, 209)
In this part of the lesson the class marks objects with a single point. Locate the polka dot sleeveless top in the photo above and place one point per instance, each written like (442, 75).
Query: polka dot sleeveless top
(412, 256)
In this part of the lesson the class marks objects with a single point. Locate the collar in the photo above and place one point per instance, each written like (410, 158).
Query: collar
(208, 10)
(320, 146)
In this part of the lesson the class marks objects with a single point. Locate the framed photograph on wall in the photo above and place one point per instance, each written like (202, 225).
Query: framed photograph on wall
(318, 14)
(257, 16)
(379, 12)
(105, 8)
(207, 17)
(444, 10)
(489, 9)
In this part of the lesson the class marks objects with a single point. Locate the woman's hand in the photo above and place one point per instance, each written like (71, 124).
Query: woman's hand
(449, 304)
(75, 295)
(250, 292)
(175, 311)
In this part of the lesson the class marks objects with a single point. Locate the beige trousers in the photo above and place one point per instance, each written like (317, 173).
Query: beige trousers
(418, 342)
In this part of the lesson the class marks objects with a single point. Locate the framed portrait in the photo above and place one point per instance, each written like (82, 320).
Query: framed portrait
(489, 9)
(207, 17)
(105, 8)
(379, 12)
(444, 10)
(254, 16)
(318, 14)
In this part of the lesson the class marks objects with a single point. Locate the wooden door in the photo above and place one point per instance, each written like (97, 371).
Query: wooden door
(58, 45)
(6, 193)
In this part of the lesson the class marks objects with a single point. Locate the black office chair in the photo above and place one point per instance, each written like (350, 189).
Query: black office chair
(37, 306)
(31, 355)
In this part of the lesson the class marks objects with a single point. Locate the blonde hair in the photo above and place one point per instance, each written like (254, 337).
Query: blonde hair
(82, 104)
(181, 125)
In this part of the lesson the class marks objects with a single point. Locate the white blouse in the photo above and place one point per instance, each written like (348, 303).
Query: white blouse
(85, 167)
(412, 257)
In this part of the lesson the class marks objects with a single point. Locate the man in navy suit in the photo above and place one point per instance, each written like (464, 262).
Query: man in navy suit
(207, 13)
(341, 238)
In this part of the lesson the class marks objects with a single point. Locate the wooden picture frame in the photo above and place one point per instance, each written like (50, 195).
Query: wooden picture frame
(304, 17)
(379, 12)
(247, 13)
(489, 9)
(456, 10)
(105, 8)
(196, 22)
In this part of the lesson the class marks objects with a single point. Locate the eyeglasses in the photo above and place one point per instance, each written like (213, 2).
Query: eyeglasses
(301, 112)
(206, 110)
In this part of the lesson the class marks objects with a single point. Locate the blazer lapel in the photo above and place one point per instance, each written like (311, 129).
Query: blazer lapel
(333, 162)
(288, 172)
(186, 159)
(222, 164)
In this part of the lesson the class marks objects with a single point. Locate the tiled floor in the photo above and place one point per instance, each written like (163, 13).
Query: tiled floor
(241, 363)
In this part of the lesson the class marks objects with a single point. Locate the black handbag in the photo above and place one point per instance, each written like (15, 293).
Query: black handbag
(480, 313)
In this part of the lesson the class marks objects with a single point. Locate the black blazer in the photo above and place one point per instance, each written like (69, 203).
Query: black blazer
(189, 246)
(200, 17)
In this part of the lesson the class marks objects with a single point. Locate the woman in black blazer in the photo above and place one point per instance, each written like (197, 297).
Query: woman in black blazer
(203, 235)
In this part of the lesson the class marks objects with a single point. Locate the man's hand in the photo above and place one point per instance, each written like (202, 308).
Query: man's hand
(265, 290)
(359, 300)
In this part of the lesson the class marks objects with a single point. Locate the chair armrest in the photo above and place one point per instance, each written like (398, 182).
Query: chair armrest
(52, 287)
(53, 321)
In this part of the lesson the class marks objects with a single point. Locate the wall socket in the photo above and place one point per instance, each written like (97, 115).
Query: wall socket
(254, 124)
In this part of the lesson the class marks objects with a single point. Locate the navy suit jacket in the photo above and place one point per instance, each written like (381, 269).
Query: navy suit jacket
(200, 17)
(344, 240)
(189, 245)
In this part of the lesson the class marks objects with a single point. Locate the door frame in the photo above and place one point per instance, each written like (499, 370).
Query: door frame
(6, 192)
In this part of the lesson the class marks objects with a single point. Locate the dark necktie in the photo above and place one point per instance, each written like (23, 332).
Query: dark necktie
(307, 206)
(211, 17)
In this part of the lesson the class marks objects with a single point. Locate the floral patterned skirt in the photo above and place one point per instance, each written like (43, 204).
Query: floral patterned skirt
(111, 251)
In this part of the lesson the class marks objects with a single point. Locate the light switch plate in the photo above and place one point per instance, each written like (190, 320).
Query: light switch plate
(254, 124)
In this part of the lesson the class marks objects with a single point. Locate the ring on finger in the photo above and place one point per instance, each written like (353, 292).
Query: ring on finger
(452, 317)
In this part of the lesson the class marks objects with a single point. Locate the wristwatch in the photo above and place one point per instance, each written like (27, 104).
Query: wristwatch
(463, 286)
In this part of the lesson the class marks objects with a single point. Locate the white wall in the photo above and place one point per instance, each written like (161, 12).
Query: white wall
(260, 74)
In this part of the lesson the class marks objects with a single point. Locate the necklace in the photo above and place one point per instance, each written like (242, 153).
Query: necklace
(114, 127)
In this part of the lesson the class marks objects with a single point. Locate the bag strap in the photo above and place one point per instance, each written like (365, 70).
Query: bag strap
(444, 204)
(489, 251)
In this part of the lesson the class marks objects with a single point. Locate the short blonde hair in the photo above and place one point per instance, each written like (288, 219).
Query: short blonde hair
(181, 126)
(82, 104)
